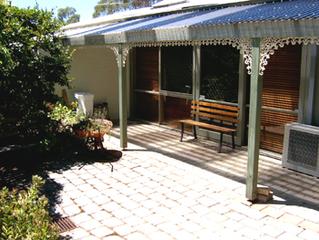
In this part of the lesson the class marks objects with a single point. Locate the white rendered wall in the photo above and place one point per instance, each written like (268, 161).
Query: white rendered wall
(94, 70)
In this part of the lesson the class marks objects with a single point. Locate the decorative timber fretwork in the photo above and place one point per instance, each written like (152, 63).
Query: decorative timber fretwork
(120, 49)
(270, 45)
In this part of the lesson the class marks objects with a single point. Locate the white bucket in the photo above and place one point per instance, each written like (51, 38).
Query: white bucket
(85, 102)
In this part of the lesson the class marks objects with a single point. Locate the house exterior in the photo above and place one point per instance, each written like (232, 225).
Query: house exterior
(259, 55)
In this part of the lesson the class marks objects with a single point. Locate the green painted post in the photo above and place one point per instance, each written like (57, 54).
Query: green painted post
(122, 99)
(254, 123)
(196, 72)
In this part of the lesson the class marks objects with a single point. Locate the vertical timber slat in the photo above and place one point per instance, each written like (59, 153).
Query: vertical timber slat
(160, 97)
(122, 99)
(196, 75)
(242, 101)
(254, 123)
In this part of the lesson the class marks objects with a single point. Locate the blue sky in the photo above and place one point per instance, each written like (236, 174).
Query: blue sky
(84, 7)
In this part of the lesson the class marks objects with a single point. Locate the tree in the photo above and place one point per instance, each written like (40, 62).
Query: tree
(33, 60)
(105, 7)
(68, 15)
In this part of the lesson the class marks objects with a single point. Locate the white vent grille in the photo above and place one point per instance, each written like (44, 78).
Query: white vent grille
(301, 148)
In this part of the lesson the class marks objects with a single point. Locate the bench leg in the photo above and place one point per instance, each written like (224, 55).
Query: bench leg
(220, 143)
(182, 132)
(233, 139)
(194, 132)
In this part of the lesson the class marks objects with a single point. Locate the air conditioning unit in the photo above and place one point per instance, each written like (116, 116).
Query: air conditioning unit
(301, 148)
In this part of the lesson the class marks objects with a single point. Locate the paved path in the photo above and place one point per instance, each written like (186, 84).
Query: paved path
(154, 196)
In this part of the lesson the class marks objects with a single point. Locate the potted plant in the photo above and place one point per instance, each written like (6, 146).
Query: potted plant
(77, 123)
(93, 128)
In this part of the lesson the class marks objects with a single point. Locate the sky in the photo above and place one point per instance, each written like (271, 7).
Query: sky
(83, 7)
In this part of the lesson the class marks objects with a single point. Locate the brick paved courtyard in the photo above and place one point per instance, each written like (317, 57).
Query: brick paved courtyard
(163, 189)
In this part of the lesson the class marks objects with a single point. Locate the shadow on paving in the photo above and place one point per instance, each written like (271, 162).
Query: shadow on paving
(19, 164)
(285, 184)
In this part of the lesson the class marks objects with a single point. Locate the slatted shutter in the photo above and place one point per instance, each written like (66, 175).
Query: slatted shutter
(176, 108)
(146, 80)
(280, 96)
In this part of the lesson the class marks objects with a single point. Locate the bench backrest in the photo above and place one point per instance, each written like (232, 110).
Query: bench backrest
(215, 111)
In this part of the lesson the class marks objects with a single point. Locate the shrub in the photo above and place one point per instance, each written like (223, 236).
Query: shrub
(33, 60)
(24, 215)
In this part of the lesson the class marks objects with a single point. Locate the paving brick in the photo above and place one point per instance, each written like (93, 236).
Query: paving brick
(288, 227)
(66, 201)
(288, 236)
(251, 233)
(272, 212)
(80, 218)
(111, 206)
(82, 200)
(272, 230)
(113, 237)
(184, 235)
(136, 236)
(100, 199)
(235, 215)
(146, 228)
(121, 213)
(73, 194)
(78, 233)
(309, 234)
(84, 187)
(101, 231)
(101, 215)
(155, 219)
(131, 205)
(310, 225)
(138, 197)
(159, 235)
(112, 222)
(133, 220)
(71, 210)
(91, 208)
(90, 237)
(289, 218)
(124, 229)
(90, 224)
(150, 204)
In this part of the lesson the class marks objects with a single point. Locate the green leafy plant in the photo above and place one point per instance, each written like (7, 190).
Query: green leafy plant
(61, 139)
(71, 120)
(24, 214)
(100, 125)
(67, 116)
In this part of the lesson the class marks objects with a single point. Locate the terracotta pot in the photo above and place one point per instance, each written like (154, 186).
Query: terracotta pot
(85, 133)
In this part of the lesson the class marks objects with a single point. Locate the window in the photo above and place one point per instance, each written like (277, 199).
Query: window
(177, 66)
(219, 73)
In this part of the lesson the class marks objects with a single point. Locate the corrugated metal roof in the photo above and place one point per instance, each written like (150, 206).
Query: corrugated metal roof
(148, 11)
(170, 24)
(290, 10)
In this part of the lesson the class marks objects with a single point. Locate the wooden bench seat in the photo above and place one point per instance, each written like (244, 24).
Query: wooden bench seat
(215, 117)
